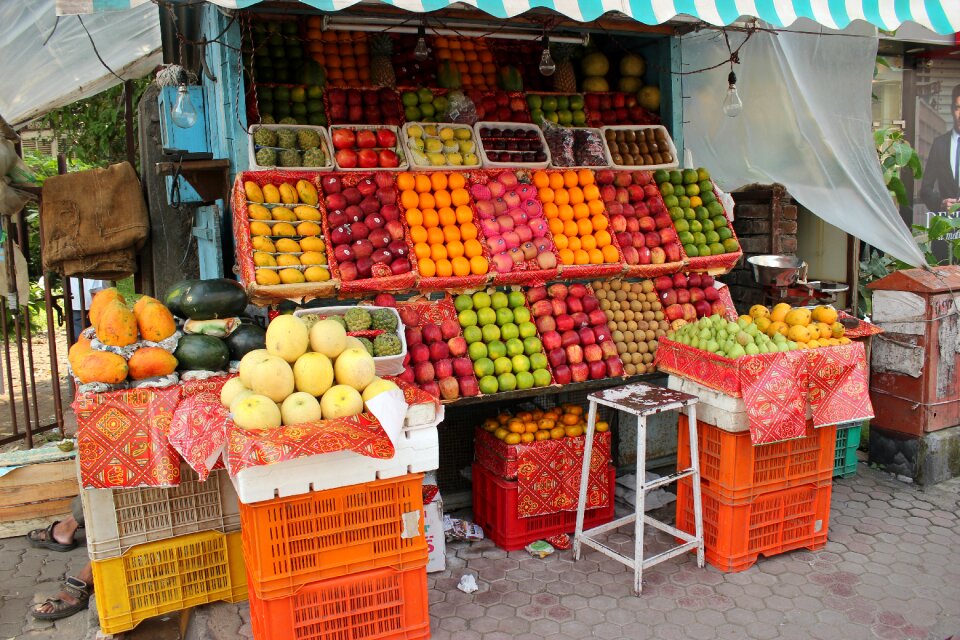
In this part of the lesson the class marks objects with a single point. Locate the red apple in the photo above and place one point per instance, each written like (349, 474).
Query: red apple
(366, 139)
(462, 366)
(679, 281)
(574, 305)
(330, 184)
(380, 238)
(468, 386)
(718, 308)
(694, 280)
(546, 324)
(562, 374)
(577, 290)
(587, 336)
(711, 294)
(419, 353)
(614, 366)
(386, 138)
(564, 322)
(414, 337)
(551, 340)
(344, 139)
(609, 348)
(407, 376)
(541, 309)
(673, 312)
(597, 318)
(432, 388)
(592, 353)
(536, 293)
(657, 255)
(683, 295)
(556, 357)
(388, 159)
(400, 266)
(449, 328)
(574, 353)
(457, 346)
(689, 312)
(580, 372)
(557, 291)
(559, 307)
(431, 334)
(703, 308)
(346, 158)
(348, 271)
(361, 248)
(643, 255)
(443, 368)
(696, 294)
(568, 338)
(395, 229)
(367, 158)
(598, 369)
(580, 319)
(668, 297)
(449, 388)
(439, 351)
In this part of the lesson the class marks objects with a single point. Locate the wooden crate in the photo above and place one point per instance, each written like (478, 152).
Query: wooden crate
(34, 495)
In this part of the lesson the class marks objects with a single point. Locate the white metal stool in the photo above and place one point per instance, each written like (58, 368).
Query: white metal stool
(642, 400)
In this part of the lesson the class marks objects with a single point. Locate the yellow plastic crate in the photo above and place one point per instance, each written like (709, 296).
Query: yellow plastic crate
(168, 575)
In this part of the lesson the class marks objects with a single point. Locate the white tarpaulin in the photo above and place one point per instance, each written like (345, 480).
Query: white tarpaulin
(806, 124)
(37, 77)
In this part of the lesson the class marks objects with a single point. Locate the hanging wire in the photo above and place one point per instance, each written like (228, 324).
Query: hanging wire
(96, 51)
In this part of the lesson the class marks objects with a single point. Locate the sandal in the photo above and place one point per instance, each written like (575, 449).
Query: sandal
(75, 588)
(43, 539)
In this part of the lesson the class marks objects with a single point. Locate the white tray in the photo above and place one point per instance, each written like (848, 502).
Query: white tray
(648, 167)
(488, 164)
(606, 164)
(416, 451)
(324, 142)
(401, 152)
(386, 365)
(442, 167)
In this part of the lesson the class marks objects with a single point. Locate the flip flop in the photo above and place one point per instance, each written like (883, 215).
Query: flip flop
(47, 541)
(75, 588)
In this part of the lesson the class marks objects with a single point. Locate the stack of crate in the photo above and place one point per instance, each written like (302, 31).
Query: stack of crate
(159, 550)
(756, 500)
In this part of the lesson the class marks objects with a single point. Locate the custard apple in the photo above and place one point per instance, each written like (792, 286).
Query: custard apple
(286, 138)
(288, 120)
(308, 139)
(338, 320)
(267, 157)
(386, 344)
(357, 319)
(289, 158)
(314, 158)
(384, 319)
(367, 345)
(265, 137)
(266, 118)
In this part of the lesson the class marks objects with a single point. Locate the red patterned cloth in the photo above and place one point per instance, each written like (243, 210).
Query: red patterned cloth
(122, 438)
(198, 431)
(862, 330)
(839, 384)
(210, 385)
(727, 301)
(774, 390)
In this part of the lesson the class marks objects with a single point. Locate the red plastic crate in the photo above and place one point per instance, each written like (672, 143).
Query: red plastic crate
(736, 470)
(383, 604)
(291, 542)
(495, 510)
(735, 535)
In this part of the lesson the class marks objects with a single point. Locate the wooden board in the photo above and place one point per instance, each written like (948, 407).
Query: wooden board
(33, 495)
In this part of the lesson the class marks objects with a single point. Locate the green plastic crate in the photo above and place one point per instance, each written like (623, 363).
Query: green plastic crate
(845, 458)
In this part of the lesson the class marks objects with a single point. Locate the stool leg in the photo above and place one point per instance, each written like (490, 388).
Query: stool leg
(695, 480)
(640, 504)
(584, 478)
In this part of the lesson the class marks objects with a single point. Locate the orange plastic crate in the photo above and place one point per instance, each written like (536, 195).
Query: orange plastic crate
(736, 470)
(735, 535)
(291, 542)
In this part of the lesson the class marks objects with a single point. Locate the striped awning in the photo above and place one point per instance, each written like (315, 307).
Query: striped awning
(941, 16)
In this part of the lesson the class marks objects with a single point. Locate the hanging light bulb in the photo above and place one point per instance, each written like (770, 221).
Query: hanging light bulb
(183, 114)
(421, 52)
(732, 104)
(547, 65)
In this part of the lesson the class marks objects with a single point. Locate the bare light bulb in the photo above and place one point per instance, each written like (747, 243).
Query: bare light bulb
(421, 52)
(732, 104)
(183, 114)
(547, 65)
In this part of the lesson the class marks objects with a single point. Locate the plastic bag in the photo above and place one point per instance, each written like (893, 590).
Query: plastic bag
(461, 108)
(160, 382)
(560, 142)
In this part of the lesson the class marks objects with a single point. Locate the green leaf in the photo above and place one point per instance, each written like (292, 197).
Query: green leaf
(914, 164)
(879, 136)
(903, 153)
(896, 186)
(939, 227)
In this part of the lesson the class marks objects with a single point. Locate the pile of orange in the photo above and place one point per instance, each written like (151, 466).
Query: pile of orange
(445, 239)
(576, 216)
(344, 54)
(566, 421)
(471, 57)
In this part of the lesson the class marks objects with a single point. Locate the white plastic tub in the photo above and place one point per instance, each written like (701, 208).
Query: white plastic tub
(489, 164)
(650, 167)
(443, 167)
(324, 144)
(386, 365)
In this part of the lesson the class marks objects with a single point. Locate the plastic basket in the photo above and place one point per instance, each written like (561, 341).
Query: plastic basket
(168, 575)
(495, 510)
(665, 165)
(291, 542)
(490, 164)
(845, 456)
(385, 365)
(325, 145)
(736, 470)
(735, 535)
(383, 604)
(119, 519)
(443, 167)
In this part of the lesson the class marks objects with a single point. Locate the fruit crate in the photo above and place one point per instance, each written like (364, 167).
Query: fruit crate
(325, 146)
(408, 142)
(634, 113)
(291, 542)
(735, 470)
(266, 294)
(398, 148)
(736, 535)
(119, 519)
(545, 95)
(845, 456)
(635, 128)
(385, 365)
(168, 575)
(495, 511)
(490, 164)
(722, 262)
(555, 160)
(383, 604)
(338, 112)
(502, 459)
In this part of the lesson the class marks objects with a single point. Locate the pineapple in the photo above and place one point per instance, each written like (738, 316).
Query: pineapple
(564, 79)
(381, 68)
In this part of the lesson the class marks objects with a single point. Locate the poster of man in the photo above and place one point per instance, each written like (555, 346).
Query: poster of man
(940, 188)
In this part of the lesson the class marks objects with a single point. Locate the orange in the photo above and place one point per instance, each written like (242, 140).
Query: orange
(438, 181)
(570, 179)
(427, 201)
(423, 183)
(576, 195)
(527, 438)
(570, 229)
(472, 248)
(516, 426)
(542, 435)
(530, 426)
(434, 235)
(461, 266)
(456, 181)
(588, 242)
(610, 254)
(546, 424)
(581, 257)
(569, 419)
(546, 195)
(574, 243)
(584, 227)
(599, 223)
(550, 211)
(406, 181)
(596, 207)
(442, 198)
(451, 233)
(602, 237)
(561, 196)
(460, 197)
(444, 268)
(580, 211)
(478, 265)
(430, 218)
(414, 217)
(596, 256)
(454, 249)
(566, 256)
(585, 177)
(438, 252)
(560, 241)
(556, 181)
(565, 212)
(447, 216)
(418, 234)
(541, 179)
(409, 199)
(591, 192)
(468, 231)
(556, 226)
(421, 250)
(464, 214)
(426, 267)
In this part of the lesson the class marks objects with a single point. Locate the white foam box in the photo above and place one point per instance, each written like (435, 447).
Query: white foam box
(715, 407)
(433, 532)
(417, 451)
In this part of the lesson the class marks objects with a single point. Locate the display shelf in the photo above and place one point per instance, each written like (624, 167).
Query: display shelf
(506, 396)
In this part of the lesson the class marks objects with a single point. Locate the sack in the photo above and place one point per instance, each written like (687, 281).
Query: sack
(91, 218)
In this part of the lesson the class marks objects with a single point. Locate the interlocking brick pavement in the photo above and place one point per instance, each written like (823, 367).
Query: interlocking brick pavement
(890, 570)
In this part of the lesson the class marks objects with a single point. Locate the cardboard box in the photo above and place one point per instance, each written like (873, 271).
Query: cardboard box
(433, 531)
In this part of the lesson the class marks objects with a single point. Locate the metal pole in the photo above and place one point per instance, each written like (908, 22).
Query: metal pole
(24, 241)
(128, 122)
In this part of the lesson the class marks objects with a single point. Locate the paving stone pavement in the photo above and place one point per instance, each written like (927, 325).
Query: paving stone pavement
(890, 570)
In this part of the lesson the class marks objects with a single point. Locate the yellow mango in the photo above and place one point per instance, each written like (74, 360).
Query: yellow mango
(288, 195)
(827, 315)
(308, 229)
(307, 192)
(283, 229)
(287, 245)
(263, 243)
(263, 259)
(271, 194)
(316, 274)
(291, 276)
(313, 243)
(260, 229)
(258, 212)
(799, 317)
(304, 212)
(267, 277)
(287, 260)
(779, 312)
(253, 191)
(284, 214)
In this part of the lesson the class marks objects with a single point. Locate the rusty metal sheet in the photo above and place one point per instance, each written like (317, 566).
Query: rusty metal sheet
(934, 280)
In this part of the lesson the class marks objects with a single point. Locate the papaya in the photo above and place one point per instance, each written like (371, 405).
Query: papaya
(101, 366)
(79, 349)
(117, 326)
(448, 76)
(509, 79)
(154, 320)
(151, 362)
(100, 301)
